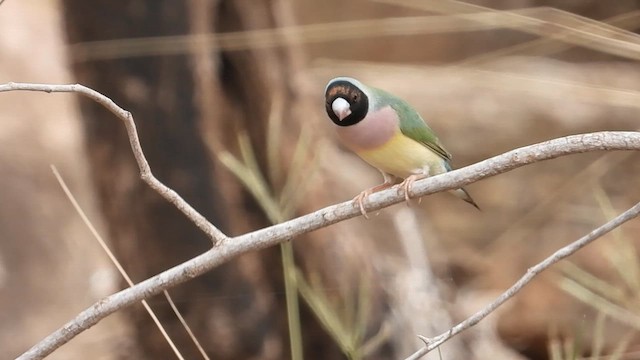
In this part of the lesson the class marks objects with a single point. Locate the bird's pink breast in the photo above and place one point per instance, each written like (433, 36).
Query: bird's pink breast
(373, 131)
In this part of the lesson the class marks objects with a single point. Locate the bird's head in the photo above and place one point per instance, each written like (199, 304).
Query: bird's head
(346, 101)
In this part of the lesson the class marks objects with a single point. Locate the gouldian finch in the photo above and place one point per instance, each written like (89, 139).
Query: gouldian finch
(386, 132)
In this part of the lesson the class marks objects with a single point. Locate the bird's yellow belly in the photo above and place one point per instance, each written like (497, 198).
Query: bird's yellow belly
(403, 157)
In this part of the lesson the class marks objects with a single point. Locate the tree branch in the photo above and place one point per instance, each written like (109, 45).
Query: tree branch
(228, 248)
(434, 342)
(145, 171)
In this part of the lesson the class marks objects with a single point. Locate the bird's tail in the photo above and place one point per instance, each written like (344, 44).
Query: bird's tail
(464, 195)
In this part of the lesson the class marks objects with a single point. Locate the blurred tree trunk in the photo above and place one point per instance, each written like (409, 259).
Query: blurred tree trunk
(237, 311)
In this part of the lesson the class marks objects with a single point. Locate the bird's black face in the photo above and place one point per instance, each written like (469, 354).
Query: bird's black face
(346, 104)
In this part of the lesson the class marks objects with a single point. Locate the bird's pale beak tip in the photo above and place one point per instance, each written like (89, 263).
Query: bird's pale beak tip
(341, 108)
(343, 114)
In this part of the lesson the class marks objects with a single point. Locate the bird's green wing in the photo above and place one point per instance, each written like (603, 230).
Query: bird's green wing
(414, 127)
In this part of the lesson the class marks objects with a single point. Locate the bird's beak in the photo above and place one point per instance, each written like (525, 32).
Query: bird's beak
(341, 108)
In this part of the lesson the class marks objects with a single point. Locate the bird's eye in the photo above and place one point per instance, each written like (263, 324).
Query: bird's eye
(355, 97)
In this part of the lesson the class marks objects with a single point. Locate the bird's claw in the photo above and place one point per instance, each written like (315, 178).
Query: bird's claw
(406, 187)
(360, 201)
(363, 196)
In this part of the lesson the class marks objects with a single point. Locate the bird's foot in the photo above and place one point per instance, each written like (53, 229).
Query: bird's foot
(363, 196)
(408, 183)
(360, 201)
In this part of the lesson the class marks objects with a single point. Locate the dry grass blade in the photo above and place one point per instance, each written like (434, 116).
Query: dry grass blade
(589, 297)
(186, 326)
(597, 345)
(274, 136)
(302, 170)
(116, 263)
(348, 328)
(581, 31)
(549, 46)
(608, 28)
(593, 283)
(623, 255)
(249, 173)
(620, 43)
(618, 299)
(314, 33)
(554, 347)
(619, 351)
(576, 184)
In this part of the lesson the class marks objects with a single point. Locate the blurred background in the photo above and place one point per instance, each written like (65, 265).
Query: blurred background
(228, 99)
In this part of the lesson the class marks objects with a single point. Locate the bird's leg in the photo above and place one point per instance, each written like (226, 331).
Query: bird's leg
(389, 181)
(408, 182)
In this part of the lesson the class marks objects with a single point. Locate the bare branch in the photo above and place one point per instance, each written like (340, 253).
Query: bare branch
(145, 171)
(227, 248)
(432, 343)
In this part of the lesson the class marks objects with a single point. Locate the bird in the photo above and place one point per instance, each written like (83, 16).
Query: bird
(387, 133)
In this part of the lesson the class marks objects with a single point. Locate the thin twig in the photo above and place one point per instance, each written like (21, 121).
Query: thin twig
(145, 171)
(432, 343)
(227, 249)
